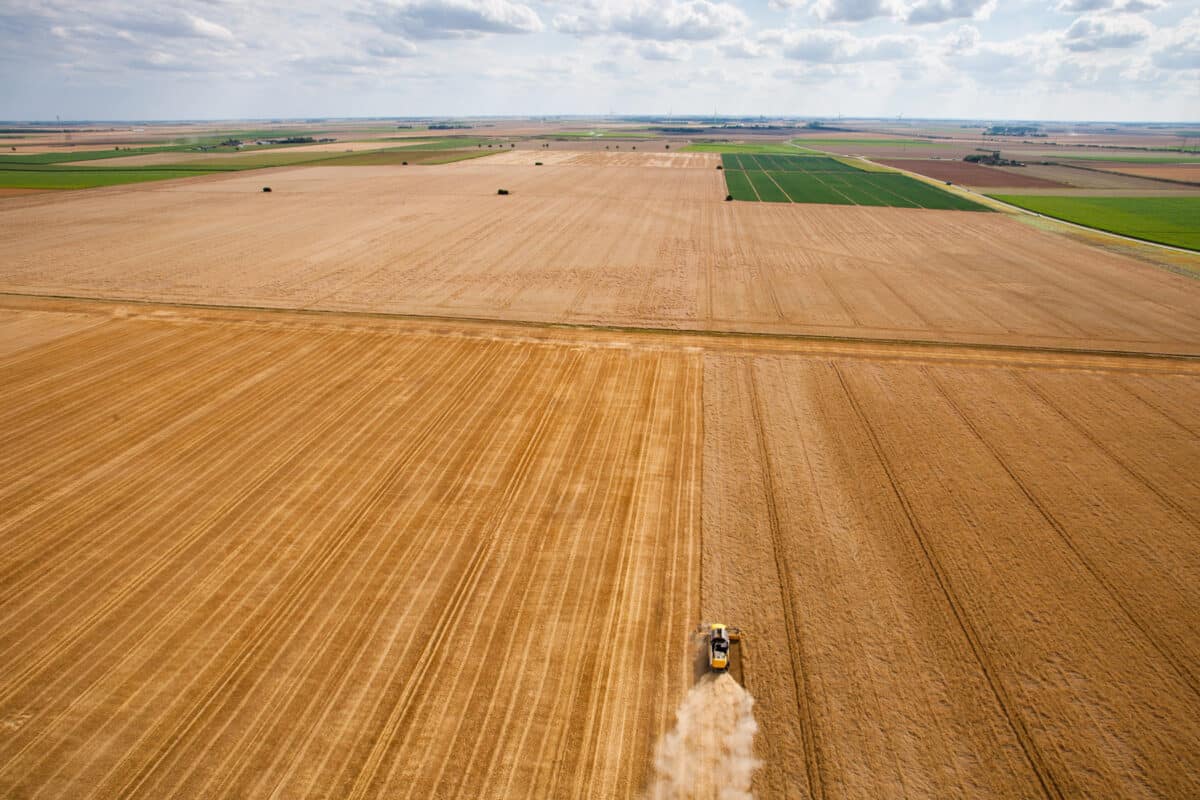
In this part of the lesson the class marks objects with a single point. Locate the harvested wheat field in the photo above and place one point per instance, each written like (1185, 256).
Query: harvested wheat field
(254, 553)
(648, 156)
(633, 246)
(965, 580)
(383, 485)
(250, 556)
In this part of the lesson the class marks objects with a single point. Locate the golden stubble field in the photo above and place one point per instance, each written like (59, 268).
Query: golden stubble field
(283, 553)
(593, 244)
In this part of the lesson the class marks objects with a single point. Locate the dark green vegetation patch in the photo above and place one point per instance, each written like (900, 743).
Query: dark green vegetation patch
(1166, 220)
(89, 178)
(784, 163)
(817, 179)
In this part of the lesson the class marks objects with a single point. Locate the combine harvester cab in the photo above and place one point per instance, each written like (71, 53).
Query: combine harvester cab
(720, 638)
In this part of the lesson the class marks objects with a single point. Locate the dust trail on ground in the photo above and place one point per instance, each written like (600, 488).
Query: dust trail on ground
(709, 755)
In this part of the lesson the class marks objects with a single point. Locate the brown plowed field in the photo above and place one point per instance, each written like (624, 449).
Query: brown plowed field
(1189, 173)
(967, 173)
(253, 553)
(591, 244)
(1094, 177)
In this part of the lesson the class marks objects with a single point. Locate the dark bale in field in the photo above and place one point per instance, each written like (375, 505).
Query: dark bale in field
(266, 188)
(502, 191)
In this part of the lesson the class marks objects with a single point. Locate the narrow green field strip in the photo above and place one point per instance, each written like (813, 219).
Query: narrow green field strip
(88, 179)
(1166, 220)
(31, 159)
(767, 189)
(738, 185)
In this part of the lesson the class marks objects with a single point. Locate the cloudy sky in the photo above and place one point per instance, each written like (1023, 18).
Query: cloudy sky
(214, 59)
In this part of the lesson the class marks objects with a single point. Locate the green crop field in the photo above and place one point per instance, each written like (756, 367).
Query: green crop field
(26, 159)
(785, 163)
(1166, 220)
(739, 147)
(818, 179)
(739, 185)
(48, 178)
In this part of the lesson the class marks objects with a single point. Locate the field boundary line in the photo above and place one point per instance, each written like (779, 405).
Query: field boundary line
(1134, 473)
(813, 762)
(1180, 669)
(833, 188)
(1033, 756)
(685, 334)
(1066, 221)
(771, 177)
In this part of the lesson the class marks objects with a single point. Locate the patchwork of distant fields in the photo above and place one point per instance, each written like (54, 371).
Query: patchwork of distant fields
(89, 170)
(1167, 220)
(748, 147)
(820, 179)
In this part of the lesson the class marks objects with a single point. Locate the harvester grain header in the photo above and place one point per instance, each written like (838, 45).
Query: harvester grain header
(719, 638)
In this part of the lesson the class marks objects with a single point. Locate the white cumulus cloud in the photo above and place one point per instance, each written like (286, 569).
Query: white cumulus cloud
(211, 30)
(852, 10)
(1106, 32)
(689, 20)
(1181, 48)
(929, 11)
(450, 19)
(838, 47)
(663, 51)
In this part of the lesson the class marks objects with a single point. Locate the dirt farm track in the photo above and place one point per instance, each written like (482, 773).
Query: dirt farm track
(384, 486)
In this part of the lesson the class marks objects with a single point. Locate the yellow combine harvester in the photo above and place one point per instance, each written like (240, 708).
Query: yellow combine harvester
(719, 637)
